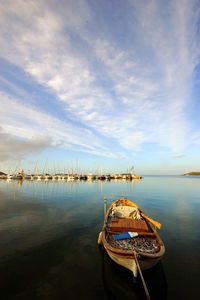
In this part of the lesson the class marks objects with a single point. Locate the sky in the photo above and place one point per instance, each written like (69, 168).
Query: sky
(94, 86)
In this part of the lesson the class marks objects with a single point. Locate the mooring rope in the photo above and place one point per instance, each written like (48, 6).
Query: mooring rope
(143, 281)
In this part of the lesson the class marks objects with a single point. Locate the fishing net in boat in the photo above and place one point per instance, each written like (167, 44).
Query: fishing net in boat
(139, 244)
(124, 211)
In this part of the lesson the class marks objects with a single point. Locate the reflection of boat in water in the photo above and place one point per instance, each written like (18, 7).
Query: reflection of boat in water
(129, 237)
(118, 283)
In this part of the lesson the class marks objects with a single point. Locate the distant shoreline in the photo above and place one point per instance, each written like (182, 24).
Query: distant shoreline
(192, 174)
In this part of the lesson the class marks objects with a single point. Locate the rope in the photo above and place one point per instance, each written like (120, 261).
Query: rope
(143, 281)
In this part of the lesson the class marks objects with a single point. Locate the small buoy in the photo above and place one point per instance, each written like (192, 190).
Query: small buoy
(100, 238)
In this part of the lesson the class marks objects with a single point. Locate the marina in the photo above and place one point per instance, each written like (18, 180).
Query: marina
(99, 150)
(23, 176)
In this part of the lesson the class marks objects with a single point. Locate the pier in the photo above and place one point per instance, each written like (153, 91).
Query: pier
(69, 177)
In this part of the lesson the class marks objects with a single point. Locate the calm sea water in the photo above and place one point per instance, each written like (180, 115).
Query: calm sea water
(49, 232)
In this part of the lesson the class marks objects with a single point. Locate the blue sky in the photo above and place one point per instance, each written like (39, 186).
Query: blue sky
(100, 85)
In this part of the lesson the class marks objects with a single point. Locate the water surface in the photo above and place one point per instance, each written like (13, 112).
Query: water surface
(49, 231)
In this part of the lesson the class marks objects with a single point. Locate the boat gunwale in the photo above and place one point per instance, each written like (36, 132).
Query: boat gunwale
(128, 256)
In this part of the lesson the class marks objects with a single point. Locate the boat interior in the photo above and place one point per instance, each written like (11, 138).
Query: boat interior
(128, 230)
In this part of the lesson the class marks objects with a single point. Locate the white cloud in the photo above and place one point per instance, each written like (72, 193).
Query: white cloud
(11, 147)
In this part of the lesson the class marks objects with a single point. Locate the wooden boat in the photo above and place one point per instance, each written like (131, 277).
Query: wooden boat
(130, 237)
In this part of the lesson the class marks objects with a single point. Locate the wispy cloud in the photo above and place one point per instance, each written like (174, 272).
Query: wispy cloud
(26, 126)
(128, 94)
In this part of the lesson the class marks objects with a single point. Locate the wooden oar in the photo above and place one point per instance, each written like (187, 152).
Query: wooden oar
(101, 232)
(143, 281)
(156, 223)
(105, 206)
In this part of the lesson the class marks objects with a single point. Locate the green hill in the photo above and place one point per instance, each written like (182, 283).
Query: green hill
(192, 174)
(1, 173)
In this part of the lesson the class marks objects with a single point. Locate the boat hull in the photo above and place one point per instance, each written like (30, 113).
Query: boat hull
(130, 263)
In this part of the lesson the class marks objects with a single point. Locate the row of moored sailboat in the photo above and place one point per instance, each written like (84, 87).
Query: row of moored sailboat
(21, 176)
